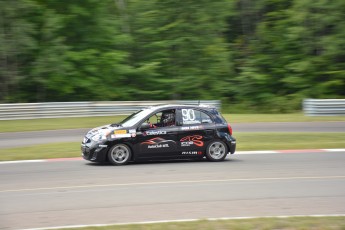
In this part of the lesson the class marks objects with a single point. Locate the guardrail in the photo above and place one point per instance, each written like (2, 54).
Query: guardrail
(84, 109)
(324, 107)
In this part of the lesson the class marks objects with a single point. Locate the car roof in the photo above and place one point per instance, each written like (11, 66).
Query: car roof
(177, 106)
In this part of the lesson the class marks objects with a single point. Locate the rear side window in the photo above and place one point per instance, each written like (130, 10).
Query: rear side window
(218, 118)
(192, 116)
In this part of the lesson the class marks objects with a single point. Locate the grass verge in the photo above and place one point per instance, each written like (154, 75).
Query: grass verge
(245, 141)
(89, 122)
(281, 141)
(289, 223)
(44, 151)
(57, 123)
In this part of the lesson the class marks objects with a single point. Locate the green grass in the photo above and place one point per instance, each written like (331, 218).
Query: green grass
(56, 123)
(90, 122)
(280, 141)
(44, 151)
(245, 141)
(290, 223)
(291, 117)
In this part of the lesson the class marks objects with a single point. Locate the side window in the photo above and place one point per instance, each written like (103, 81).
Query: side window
(164, 118)
(154, 119)
(191, 116)
(205, 118)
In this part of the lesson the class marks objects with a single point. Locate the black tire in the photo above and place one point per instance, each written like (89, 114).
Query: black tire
(216, 151)
(119, 154)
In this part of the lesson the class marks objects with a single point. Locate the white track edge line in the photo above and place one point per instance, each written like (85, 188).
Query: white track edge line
(236, 153)
(334, 150)
(257, 152)
(22, 161)
(181, 220)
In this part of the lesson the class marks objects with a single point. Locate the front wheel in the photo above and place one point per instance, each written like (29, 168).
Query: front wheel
(119, 154)
(216, 151)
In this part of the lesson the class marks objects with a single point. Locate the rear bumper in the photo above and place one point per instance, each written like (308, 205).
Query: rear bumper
(231, 143)
(232, 147)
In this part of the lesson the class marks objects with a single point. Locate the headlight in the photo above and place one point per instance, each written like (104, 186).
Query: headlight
(97, 137)
(100, 136)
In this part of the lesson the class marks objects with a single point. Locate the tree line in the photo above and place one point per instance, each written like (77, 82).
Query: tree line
(261, 55)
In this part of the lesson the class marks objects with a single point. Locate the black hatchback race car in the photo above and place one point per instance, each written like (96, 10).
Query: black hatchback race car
(162, 133)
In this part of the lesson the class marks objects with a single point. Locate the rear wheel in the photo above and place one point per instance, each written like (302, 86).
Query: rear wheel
(119, 154)
(216, 151)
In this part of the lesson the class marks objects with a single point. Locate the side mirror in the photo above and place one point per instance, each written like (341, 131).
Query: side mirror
(144, 126)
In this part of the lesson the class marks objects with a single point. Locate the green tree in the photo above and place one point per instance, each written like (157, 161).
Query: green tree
(17, 42)
(181, 46)
(92, 63)
(265, 55)
(285, 54)
(318, 26)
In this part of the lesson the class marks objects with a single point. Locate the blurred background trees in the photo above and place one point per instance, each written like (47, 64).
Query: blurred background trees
(262, 55)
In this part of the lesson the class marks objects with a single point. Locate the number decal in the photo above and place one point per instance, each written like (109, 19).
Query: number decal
(188, 116)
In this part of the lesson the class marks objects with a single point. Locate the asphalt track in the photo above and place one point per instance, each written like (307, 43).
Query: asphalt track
(34, 195)
(19, 139)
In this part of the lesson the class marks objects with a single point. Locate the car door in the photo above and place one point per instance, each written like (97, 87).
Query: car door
(157, 142)
(195, 133)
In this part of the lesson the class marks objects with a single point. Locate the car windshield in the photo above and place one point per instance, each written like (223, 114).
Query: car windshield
(135, 118)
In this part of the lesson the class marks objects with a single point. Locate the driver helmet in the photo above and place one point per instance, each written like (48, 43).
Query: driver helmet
(168, 119)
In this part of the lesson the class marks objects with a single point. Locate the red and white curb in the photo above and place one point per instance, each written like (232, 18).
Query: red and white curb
(236, 153)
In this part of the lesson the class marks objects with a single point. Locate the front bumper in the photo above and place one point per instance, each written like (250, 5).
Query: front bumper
(96, 152)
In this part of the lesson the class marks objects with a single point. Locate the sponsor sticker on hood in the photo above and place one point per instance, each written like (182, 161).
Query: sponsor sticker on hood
(120, 131)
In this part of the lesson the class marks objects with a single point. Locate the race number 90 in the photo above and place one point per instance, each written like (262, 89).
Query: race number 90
(188, 115)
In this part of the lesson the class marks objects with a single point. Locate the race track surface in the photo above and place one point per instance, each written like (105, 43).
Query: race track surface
(18, 139)
(50, 194)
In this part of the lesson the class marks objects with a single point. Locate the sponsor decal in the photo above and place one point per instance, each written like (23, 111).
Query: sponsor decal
(187, 143)
(116, 132)
(197, 127)
(191, 122)
(192, 140)
(132, 131)
(157, 142)
(192, 153)
(158, 146)
(188, 117)
(154, 132)
(123, 135)
(120, 135)
(103, 146)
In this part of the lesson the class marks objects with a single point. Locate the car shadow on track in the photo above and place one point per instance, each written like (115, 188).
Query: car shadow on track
(154, 162)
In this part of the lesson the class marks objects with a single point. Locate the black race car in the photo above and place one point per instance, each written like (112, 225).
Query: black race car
(162, 133)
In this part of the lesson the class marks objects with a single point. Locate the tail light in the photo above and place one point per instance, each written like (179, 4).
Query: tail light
(230, 129)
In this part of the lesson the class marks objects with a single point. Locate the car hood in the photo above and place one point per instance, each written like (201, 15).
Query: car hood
(110, 129)
(101, 129)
